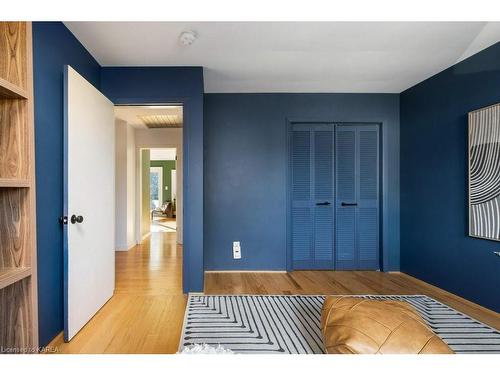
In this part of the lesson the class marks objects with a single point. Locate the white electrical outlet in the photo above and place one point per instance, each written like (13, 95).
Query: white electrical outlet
(236, 250)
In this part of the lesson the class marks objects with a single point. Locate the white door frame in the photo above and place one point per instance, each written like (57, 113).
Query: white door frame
(173, 178)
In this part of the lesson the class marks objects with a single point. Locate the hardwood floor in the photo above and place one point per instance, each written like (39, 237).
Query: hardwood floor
(146, 313)
(341, 282)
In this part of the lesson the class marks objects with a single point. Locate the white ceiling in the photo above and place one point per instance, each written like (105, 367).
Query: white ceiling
(162, 154)
(130, 113)
(293, 56)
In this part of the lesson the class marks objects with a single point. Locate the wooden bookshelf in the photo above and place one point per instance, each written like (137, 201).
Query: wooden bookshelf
(18, 277)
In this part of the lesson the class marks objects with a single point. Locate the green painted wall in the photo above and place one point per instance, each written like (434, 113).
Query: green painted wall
(167, 166)
(145, 194)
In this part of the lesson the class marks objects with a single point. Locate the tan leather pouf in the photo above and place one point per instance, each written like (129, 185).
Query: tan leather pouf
(358, 325)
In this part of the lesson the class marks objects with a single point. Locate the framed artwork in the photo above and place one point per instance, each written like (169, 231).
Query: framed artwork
(484, 173)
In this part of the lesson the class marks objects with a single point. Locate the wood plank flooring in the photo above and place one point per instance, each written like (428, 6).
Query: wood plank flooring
(341, 282)
(146, 313)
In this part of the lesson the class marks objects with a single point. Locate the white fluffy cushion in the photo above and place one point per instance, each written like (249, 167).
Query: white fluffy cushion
(205, 349)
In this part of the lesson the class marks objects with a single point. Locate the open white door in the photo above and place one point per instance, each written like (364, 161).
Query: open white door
(89, 201)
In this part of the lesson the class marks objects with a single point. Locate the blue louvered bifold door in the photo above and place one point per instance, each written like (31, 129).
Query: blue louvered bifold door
(357, 200)
(312, 196)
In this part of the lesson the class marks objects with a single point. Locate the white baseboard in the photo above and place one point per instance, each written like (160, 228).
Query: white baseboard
(144, 237)
(124, 247)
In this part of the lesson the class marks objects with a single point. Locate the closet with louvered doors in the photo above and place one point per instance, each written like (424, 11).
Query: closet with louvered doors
(18, 286)
(334, 196)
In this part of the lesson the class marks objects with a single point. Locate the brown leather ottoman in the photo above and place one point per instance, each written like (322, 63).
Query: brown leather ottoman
(358, 325)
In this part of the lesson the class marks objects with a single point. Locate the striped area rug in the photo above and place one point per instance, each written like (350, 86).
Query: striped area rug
(291, 324)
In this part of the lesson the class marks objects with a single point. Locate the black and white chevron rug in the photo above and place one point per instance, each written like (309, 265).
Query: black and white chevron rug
(291, 324)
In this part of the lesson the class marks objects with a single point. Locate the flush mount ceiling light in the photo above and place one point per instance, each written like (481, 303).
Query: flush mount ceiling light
(162, 106)
(186, 38)
(161, 121)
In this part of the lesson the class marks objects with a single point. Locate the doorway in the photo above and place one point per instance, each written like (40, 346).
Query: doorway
(163, 190)
(334, 190)
(154, 155)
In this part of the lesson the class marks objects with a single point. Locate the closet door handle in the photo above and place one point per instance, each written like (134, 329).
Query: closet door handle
(343, 204)
(323, 204)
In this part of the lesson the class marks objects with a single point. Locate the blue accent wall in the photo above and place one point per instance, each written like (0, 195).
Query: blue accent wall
(434, 215)
(146, 85)
(246, 163)
(53, 47)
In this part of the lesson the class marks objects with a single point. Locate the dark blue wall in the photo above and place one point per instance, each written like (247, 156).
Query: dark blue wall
(246, 169)
(170, 85)
(53, 47)
(434, 242)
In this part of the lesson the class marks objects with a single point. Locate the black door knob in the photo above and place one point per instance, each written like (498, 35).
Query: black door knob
(323, 204)
(343, 204)
(76, 219)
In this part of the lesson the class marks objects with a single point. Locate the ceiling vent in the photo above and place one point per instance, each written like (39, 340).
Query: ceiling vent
(161, 121)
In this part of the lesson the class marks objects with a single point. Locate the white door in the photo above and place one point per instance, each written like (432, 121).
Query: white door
(89, 201)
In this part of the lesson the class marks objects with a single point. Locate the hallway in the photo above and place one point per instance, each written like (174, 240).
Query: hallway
(146, 312)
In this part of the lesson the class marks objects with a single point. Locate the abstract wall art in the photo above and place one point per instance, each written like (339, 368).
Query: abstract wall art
(484, 173)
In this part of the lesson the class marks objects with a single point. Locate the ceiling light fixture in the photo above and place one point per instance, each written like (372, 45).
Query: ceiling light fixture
(186, 38)
(174, 106)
